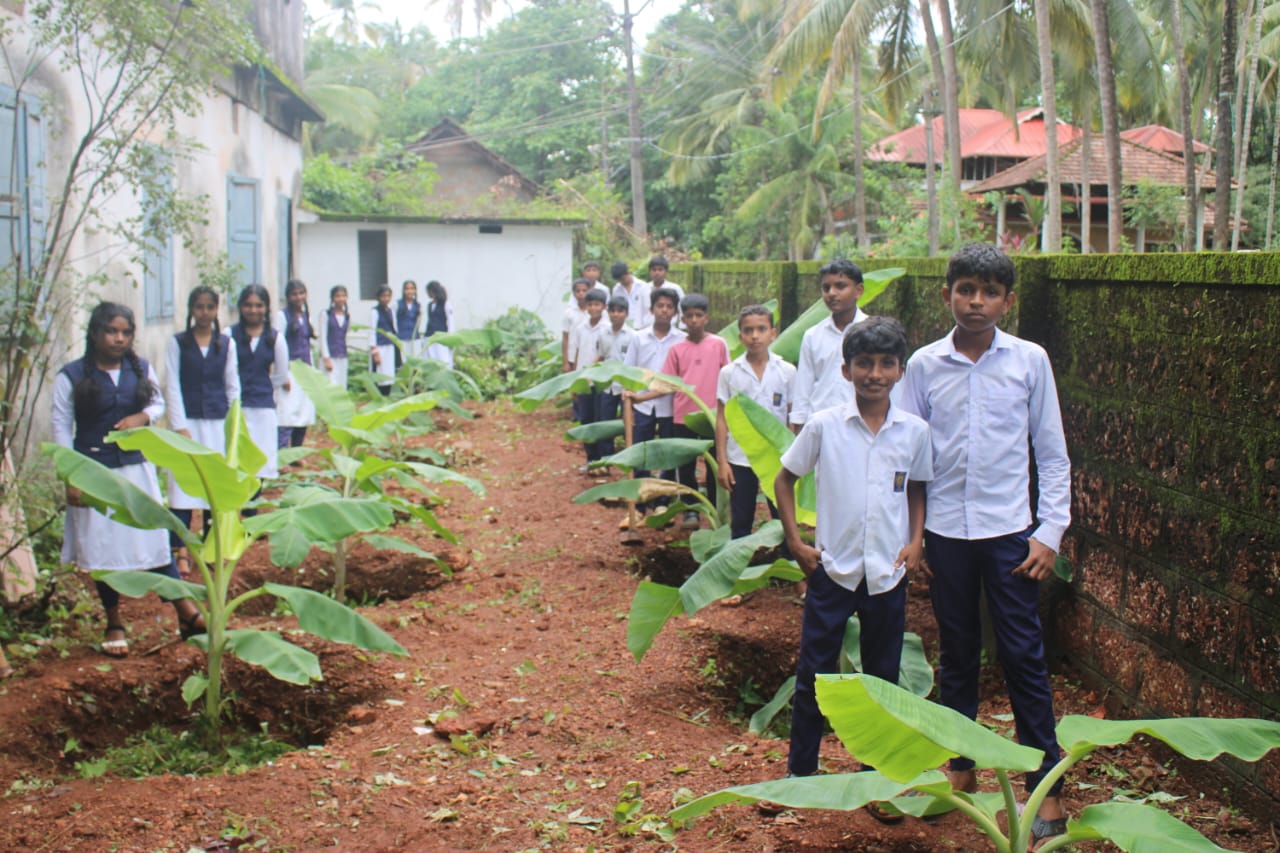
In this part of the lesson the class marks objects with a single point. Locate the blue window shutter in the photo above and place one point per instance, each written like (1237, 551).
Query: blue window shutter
(243, 228)
(157, 273)
(10, 205)
(36, 208)
(284, 241)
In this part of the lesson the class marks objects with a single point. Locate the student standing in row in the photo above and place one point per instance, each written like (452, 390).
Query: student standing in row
(574, 314)
(765, 378)
(614, 344)
(636, 293)
(262, 358)
(384, 355)
(819, 383)
(333, 336)
(111, 388)
(295, 411)
(439, 319)
(653, 413)
(202, 377)
(584, 351)
(408, 315)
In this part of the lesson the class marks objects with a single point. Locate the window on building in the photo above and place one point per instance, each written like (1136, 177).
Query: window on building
(157, 259)
(23, 213)
(284, 242)
(244, 227)
(372, 250)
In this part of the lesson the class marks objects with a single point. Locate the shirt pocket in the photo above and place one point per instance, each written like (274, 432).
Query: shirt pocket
(1005, 408)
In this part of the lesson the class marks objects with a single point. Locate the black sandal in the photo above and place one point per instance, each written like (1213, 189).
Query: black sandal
(1042, 829)
(192, 626)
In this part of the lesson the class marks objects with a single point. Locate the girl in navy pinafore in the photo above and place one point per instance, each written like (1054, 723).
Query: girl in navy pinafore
(295, 411)
(439, 319)
(333, 336)
(263, 359)
(408, 316)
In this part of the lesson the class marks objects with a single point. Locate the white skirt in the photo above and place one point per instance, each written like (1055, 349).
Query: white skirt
(338, 376)
(386, 370)
(294, 408)
(440, 352)
(262, 429)
(213, 435)
(93, 541)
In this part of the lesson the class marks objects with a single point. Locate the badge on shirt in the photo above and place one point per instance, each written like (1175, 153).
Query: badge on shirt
(777, 399)
(899, 481)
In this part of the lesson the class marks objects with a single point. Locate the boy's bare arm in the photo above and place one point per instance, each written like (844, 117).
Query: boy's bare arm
(565, 367)
(1039, 562)
(643, 396)
(724, 473)
(912, 555)
(784, 487)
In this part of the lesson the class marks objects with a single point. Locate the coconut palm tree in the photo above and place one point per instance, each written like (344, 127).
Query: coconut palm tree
(1110, 124)
(1222, 158)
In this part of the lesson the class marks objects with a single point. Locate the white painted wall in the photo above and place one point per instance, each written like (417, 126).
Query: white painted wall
(527, 266)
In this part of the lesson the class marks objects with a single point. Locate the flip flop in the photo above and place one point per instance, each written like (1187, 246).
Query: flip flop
(880, 813)
(117, 648)
(192, 626)
(1042, 829)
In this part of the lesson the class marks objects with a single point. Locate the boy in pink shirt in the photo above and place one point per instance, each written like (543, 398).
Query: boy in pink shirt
(697, 360)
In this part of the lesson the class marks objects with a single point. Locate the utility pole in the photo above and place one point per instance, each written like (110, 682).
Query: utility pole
(639, 218)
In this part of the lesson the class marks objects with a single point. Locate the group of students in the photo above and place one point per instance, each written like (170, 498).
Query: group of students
(110, 388)
(406, 322)
(930, 477)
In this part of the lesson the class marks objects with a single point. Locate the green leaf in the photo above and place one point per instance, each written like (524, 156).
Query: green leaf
(487, 339)
(598, 431)
(393, 412)
(841, 791)
(137, 584)
(902, 735)
(651, 606)
(705, 542)
(194, 687)
(763, 438)
(242, 454)
(333, 404)
(702, 425)
(1202, 738)
(629, 490)
(1138, 829)
(395, 543)
(105, 489)
(1062, 568)
(715, 578)
(579, 381)
(200, 471)
(761, 719)
(320, 615)
(294, 529)
(437, 474)
(660, 454)
(915, 673)
(788, 341)
(275, 654)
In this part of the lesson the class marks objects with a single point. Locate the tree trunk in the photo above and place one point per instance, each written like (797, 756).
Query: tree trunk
(1188, 133)
(930, 117)
(859, 153)
(1275, 171)
(1110, 125)
(1086, 183)
(1242, 156)
(1222, 164)
(639, 215)
(950, 99)
(1053, 182)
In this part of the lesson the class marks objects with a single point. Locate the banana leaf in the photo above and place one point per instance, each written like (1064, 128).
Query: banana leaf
(200, 471)
(716, 577)
(582, 380)
(333, 404)
(660, 454)
(842, 791)
(1138, 828)
(275, 654)
(641, 489)
(730, 332)
(1202, 738)
(788, 341)
(320, 615)
(651, 607)
(763, 438)
(598, 431)
(307, 517)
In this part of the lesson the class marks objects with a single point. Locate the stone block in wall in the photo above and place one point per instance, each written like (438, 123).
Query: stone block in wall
(1138, 519)
(1208, 625)
(1260, 656)
(1166, 687)
(1091, 499)
(1120, 654)
(1218, 701)
(1102, 575)
(1149, 600)
(1252, 556)
(1229, 462)
(1268, 771)
(1070, 631)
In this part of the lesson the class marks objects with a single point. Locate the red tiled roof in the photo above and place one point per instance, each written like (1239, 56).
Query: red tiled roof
(1161, 138)
(983, 133)
(1136, 162)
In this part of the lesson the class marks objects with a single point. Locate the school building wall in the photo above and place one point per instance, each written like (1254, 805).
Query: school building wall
(1169, 376)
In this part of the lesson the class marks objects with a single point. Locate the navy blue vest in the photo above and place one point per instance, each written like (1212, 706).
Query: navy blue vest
(255, 369)
(337, 334)
(203, 378)
(115, 401)
(385, 324)
(436, 319)
(407, 318)
(297, 334)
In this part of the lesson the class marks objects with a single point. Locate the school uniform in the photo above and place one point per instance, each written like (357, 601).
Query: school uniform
(332, 332)
(295, 411)
(698, 364)
(863, 524)
(677, 322)
(439, 320)
(613, 346)
(584, 351)
(264, 365)
(200, 383)
(653, 418)
(638, 309)
(381, 330)
(407, 316)
(93, 540)
(979, 518)
(772, 390)
(819, 382)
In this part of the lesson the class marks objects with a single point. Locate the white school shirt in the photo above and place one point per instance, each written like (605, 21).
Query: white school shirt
(649, 352)
(573, 315)
(177, 408)
(771, 390)
(638, 309)
(63, 420)
(584, 343)
(981, 415)
(614, 347)
(819, 382)
(863, 521)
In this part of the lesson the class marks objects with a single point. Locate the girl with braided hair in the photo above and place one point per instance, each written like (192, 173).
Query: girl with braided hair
(295, 411)
(111, 388)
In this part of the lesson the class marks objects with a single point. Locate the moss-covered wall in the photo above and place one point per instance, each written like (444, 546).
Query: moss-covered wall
(1169, 372)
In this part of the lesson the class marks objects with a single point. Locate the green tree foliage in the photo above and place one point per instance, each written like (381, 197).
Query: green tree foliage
(389, 182)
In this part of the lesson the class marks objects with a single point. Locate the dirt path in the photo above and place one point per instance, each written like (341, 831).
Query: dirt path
(520, 721)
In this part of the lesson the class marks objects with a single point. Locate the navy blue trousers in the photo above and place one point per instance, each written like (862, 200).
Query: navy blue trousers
(606, 410)
(687, 474)
(742, 501)
(827, 608)
(648, 427)
(585, 407)
(962, 568)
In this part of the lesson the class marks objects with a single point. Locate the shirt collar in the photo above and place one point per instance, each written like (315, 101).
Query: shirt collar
(1001, 340)
(893, 416)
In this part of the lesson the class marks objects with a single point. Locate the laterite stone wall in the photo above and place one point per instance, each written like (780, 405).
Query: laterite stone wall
(1169, 372)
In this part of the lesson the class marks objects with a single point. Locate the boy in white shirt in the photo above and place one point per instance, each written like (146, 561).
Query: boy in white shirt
(575, 314)
(987, 396)
(614, 344)
(654, 418)
(584, 351)
(766, 379)
(819, 383)
(635, 291)
(872, 461)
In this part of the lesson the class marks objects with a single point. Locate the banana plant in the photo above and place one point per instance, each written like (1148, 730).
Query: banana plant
(361, 470)
(788, 341)
(906, 737)
(228, 483)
